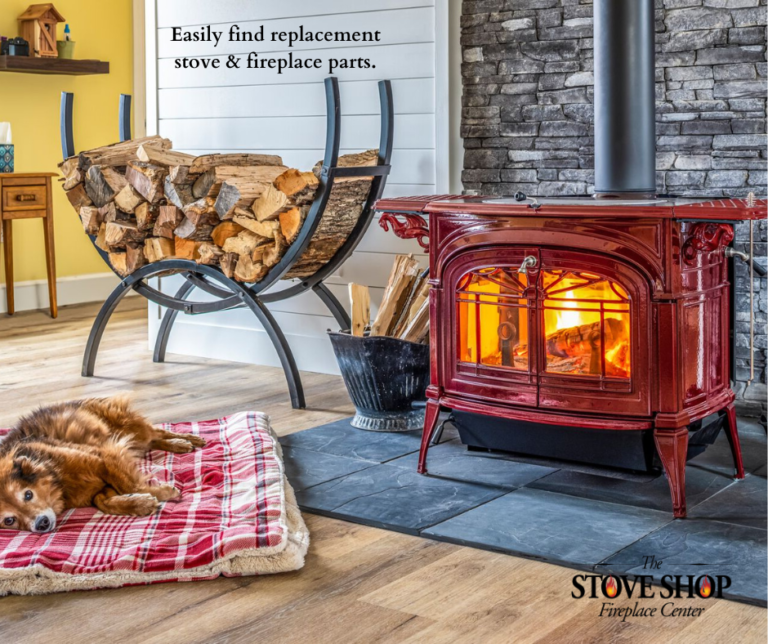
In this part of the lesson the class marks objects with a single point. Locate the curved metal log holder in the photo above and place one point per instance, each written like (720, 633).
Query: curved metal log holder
(234, 295)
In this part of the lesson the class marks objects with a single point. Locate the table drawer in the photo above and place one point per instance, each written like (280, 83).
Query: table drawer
(24, 198)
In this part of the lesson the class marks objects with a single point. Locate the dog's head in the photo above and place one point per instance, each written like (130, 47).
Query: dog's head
(30, 494)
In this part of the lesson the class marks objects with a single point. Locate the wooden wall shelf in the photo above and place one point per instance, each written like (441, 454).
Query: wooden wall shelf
(29, 65)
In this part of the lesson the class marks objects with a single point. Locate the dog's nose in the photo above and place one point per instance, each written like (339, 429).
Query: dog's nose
(42, 524)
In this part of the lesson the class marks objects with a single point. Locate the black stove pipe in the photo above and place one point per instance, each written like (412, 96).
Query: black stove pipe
(625, 107)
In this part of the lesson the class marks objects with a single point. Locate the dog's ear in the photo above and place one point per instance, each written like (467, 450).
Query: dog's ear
(25, 469)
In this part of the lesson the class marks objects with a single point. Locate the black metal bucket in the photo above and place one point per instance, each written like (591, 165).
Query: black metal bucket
(384, 377)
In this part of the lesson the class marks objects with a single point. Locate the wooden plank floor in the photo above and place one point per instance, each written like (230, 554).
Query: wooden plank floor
(359, 584)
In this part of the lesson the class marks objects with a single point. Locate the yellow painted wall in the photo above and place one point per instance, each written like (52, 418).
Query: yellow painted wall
(102, 29)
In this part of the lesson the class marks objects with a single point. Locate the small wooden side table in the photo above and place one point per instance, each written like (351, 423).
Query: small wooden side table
(28, 196)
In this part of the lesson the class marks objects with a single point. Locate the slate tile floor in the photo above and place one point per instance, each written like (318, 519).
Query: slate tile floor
(571, 517)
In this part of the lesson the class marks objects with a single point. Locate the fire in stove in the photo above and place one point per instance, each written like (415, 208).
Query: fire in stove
(584, 321)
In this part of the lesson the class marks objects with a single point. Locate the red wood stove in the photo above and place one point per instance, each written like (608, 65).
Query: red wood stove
(600, 314)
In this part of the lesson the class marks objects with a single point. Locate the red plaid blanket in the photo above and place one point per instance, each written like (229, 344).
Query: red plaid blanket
(237, 515)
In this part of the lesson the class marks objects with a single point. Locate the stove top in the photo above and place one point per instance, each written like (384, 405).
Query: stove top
(704, 209)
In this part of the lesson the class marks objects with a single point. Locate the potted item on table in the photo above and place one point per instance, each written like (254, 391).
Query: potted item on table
(386, 366)
(66, 47)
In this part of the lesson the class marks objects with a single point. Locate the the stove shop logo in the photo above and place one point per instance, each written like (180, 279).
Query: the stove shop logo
(638, 587)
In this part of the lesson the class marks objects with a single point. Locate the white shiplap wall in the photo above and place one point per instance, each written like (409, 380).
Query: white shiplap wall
(261, 111)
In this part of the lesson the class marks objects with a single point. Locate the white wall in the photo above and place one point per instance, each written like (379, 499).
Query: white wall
(242, 110)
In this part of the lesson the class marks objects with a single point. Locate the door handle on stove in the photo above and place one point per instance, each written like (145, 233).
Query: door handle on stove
(528, 262)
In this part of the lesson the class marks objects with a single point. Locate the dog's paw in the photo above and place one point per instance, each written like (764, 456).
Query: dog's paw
(179, 446)
(197, 441)
(142, 505)
(165, 492)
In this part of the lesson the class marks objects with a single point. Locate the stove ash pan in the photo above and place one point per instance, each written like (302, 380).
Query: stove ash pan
(598, 316)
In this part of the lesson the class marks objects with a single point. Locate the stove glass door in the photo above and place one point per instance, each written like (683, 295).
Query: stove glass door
(586, 325)
(493, 318)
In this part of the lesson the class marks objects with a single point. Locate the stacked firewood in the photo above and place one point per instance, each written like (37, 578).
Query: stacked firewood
(404, 310)
(144, 202)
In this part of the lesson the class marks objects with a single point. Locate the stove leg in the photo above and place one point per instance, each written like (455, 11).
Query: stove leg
(672, 446)
(733, 439)
(430, 423)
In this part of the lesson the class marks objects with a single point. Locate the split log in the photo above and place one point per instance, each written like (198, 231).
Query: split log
(146, 215)
(180, 195)
(359, 160)
(119, 233)
(300, 187)
(209, 183)
(179, 174)
(404, 273)
(202, 212)
(128, 199)
(419, 293)
(238, 194)
(101, 238)
(244, 243)
(187, 248)
(147, 179)
(249, 271)
(269, 204)
(417, 329)
(258, 253)
(70, 169)
(274, 253)
(78, 197)
(209, 253)
(156, 249)
(158, 156)
(360, 299)
(119, 154)
(102, 184)
(134, 257)
(344, 207)
(208, 161)
(91, 219)
(168, 219)
(110, 213)
(224, 231)
(291, 222)
(118, 261)
(262, 228)
(188, 230)
(228, 263)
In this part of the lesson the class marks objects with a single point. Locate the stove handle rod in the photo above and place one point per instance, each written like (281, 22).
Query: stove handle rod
(747, 259)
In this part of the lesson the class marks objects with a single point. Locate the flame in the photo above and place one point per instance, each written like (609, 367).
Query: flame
(568, 319)
(611, 589)
(706, 588)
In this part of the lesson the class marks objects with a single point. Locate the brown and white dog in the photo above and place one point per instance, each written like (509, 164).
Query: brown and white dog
(78, 454)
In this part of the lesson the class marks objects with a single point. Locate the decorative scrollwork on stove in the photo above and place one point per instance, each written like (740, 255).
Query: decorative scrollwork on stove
(414, 227)
(706, 237)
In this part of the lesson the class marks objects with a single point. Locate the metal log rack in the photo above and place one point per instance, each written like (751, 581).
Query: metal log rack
(229, 293)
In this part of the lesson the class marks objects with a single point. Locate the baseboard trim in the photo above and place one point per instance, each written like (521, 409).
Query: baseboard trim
(77, 289)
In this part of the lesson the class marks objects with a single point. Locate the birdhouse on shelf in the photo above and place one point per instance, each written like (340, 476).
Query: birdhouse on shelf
(38, 28)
